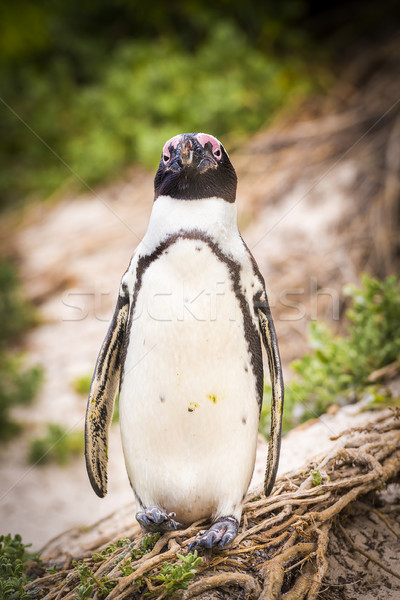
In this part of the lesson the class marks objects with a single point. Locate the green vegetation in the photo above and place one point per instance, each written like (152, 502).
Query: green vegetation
(81, 384)
(100, 587)
(19, 383)
(316, 477)
(19, 386)
(90, 87)
(339, 366)
(177, 577)
(14, 561)
(149, 541)
(89, 583)
(174, 577)
(16, 313)
(147, 545)
(93, 88)
(58, 445)
(100, 556)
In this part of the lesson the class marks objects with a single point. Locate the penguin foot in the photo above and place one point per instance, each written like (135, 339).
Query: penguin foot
(221, 533)
(155, 520)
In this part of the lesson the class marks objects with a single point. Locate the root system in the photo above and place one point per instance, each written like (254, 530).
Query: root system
(282, 549)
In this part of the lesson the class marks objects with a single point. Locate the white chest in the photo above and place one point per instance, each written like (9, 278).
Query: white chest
(188, 402)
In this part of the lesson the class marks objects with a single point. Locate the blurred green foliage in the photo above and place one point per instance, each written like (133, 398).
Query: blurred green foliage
(16, 312)
(19, 386)
(81, 384)
(104, 84)
(339, 366)
(58, 445)
(19, 383)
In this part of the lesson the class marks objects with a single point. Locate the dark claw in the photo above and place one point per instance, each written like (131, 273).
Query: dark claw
(221, 533)
(155, 520)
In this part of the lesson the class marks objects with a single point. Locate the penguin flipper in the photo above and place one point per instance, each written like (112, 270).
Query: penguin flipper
(102, 394)
(270, 341)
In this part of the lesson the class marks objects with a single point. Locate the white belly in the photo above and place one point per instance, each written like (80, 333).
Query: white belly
(188, 404)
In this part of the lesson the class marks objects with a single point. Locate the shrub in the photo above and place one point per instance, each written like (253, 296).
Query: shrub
(339, 366)
(13, 564)
(19, 383)
(58, 445)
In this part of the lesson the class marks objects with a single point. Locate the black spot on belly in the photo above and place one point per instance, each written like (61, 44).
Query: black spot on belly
(198, 248)
(162, 398)
(246, 368)
(244, 420)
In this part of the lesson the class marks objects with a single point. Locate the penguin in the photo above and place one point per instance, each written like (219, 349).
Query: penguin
(184, 350)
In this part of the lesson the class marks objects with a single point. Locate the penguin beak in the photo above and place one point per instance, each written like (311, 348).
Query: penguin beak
(190, 154)
(186, 148)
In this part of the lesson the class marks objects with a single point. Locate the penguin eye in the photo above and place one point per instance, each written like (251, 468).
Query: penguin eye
(166, 158)
(217, 153)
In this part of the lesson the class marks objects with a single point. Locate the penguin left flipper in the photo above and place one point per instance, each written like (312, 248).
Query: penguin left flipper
(155, 520)
(268, 334)
(221, 533)
(102, 394)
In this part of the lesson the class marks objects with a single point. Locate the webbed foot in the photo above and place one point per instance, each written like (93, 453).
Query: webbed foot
(155, 520)
(221, 533)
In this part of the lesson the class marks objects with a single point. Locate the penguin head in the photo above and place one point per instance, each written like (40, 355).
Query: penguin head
(195, 166)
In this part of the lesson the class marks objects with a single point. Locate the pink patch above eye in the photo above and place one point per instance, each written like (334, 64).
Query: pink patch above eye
(204, 138)
(172, 142)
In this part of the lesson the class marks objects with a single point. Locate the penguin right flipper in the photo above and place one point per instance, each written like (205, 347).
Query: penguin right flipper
(270, 341)
(102, 394)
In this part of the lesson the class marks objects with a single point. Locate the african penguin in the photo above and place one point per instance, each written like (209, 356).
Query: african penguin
(184, 349)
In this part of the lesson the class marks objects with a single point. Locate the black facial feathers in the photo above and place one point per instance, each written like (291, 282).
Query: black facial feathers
(195, 166)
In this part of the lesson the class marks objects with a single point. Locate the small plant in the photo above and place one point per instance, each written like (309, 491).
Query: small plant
(339, 366)
(99, 556)
(125, 566)
(149, 541)
(316, 477)
(177, 577)
(377, 398)
(90, 583)
(81, 384)
(147, 545)
(58, 445)
(13, 560)
(52, 570)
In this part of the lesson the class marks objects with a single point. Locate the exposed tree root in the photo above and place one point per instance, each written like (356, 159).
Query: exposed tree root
(282, 548)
